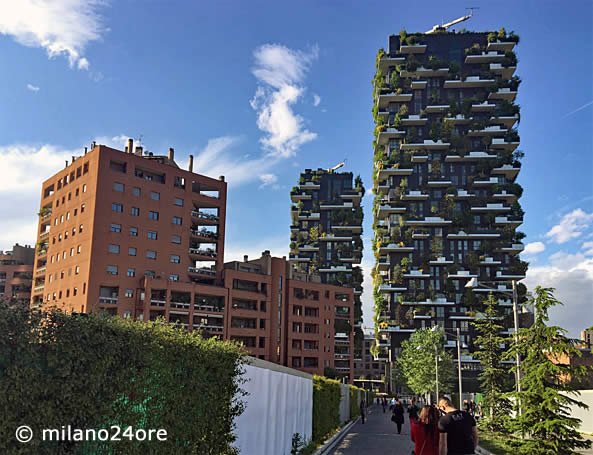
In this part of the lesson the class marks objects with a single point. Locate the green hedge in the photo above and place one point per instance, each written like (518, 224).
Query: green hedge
(92, 372)
(326, 407)
(354, 404)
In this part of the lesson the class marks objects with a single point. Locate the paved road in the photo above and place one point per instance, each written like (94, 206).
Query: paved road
(378, 436)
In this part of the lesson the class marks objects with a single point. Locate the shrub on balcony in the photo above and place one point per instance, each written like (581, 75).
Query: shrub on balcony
(133, 373)
(476, 49)
(510, 59)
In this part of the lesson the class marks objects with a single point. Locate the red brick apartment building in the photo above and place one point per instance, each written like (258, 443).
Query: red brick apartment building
(16, 273)
(132, 234)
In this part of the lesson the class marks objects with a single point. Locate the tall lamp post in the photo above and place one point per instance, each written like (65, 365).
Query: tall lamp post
(457, 336)
(473, 283)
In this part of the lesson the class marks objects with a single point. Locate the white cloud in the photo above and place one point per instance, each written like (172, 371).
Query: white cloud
(61, 27)
(588, 248)
(280, 71)
(571, 226)
(572, 276)
(534, 248)
(278, 247)
(32, 87)
(269, 180)
(316, 99)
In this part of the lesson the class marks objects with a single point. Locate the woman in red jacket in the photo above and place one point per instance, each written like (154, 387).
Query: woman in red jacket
(425, 433)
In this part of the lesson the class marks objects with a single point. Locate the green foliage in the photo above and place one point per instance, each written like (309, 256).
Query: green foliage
(326, 407)
(546, 398)
(354, 403)
(492, 377)
(94, 371)
(417, 365)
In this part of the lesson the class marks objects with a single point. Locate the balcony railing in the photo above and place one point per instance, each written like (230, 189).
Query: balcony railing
(108, 300)
(201, 271)
(204, 216)
(41, 270)
(209, 252)
(39, 288)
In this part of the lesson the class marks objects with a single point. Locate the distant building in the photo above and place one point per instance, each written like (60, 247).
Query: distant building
(368, 368)
(16, 273)
(585, 359)
(587, 337)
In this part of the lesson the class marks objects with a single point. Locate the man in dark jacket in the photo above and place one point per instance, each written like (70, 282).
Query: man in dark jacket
(363, 409)
(459, 435)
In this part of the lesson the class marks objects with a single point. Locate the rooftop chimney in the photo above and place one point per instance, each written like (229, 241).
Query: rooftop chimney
(245, 258)
(66, 163)
(85, 150)
(139, 150)
(191, 163)
(171, 154)
(221, 178)
(130, 145)
(93, 145)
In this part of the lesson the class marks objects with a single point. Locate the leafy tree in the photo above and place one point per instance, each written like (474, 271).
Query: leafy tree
(546, 399)
(417, 364)
(493, 375)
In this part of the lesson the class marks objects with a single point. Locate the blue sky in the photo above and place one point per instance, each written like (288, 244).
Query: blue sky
(260, 90)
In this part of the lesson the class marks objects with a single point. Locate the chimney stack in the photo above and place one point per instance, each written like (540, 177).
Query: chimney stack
(221, 178)
(191, 163)
(93, 145)
(85, 150)
(245, 258)
(171, 154)
(139, 150)
(130, 145)
(66, 163)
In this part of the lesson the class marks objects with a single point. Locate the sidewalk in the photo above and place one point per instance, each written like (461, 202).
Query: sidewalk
(378, 436)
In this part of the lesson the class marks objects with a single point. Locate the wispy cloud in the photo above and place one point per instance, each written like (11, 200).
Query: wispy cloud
(32, 87)
(584, 106)
(280, 71)
(61, 27)
(269, 180)
(316, 99)
(534, 248)
(587, 248)
(571, 226)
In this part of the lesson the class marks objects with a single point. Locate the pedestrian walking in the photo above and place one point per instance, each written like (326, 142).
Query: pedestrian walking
(425, 433)
(397, 416)
(384, 403)
(362, 410)
(459, 435)
(466, 406)
(472, 407)
(392, 404)
(412, 410)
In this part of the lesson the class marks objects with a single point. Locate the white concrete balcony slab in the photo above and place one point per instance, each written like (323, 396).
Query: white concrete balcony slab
(395, 329)
(461, 275)
(464, 194)
(353, 229)
(385, 99)
(507, 170)
(504, 93)
(413, 274)
(509, 197)
(395, 248)
(479, 235)
(386, 210)
(501, 143)
(488, 261)
(413, 49)
(488, 131)
(352, 195)
(386, 172)
(422, 316)
(413, 120)
(389, 133)
(503, 275)
(471, 156)
(428, 221)
(306, 248)
(439, 183)
(483, 107)
(386, 62)
(489, 181)
(426, 145)
(503, 220)
(335, 238)
(499, 288)
(436, 108)
(469, 82)
(420, 236)
(300, 197)
(414, 195)
(299, 259)
(485, 57)
(441, 261)
(459, 119)
(491, 208)
(336, 268)
(332, 206)
(419, 85)
(503, 46)
(462, 317)
(506, 72)
(309, 217)
(419, 158)
(508, 120)
(389, 288)
(439, 301)
(310, 186)
(515, 248)
(422, 73)
(383, 264)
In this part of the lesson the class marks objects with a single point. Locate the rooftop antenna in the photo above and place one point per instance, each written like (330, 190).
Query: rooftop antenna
(444, 27)
(337, 166)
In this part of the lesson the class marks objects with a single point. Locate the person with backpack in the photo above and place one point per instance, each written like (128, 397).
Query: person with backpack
(425, 433)
(459, 435)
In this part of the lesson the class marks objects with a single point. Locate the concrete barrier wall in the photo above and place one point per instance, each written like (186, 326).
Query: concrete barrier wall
(586, 415)
(279, 404)
(344, 403)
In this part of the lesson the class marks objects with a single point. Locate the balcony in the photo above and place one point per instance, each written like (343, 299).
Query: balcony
(439, 301)
(393, 97)
(515, 248)
(393, 329)
(508, 197)
(503, 46)
(419, 85)
(440, 261)
(509, 171)
(420, 235)
(499, 288)
(500, 143)
(305, 216)
(298, 258)
(47, 216)
(464, 194)
(201, 271)
(483, 107)
(488, 131)
(422, 73)
(204, 253)
(44, 235)
(506, 72)
(507, 121)
(414, 195)
(383, 264)
(310, 186)
(39, 288)
(491, 208)
(40, 270)
(501, 275)
(341, 356)
(485, 57)
(490, 261)
(334, 205)
(388, 288)
(353, 229)
(353, 195)
(335, 238)
(419, 158)
(459, 119)
(394, 248)
(386, 172)
(386, 62)
(413, 274)
(383, 187)
(41, 252)
(158, 302)
(504, 93)
(413, 120)
(413, 49)
(471, 156)
(211, 219)
(469, 82)
(461, 275)
(439, 183)
(436, 108)
(306, 248)
(204, 234)
(386, 210)
(336, 268)
(428, 221)
(108, 300)
(353, 259)
(461, 235)
(489, 181)
(426, 145)
(296, 197)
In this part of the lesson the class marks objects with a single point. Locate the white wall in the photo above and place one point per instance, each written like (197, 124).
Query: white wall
(344, 403)
(279, 404)
(586, 415)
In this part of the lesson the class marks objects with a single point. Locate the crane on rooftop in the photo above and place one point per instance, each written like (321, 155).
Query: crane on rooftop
(337, 166)
(444, 27)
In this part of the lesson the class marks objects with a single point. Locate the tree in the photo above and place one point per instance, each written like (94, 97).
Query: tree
(493, 375)
(417, 362)
(546, 399)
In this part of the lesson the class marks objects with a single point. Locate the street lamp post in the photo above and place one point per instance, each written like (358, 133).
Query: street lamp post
(458, 339)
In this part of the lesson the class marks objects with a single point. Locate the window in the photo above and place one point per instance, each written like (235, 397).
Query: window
(119, 187)
(84, 188)
(67, 216)
(80, 229)
(71, 251)
(114, 249)
(73, 232)
(151, 254)
(115, 227)
(78, 249)
(74, 291)
(135, 211)
(177, 220)
(153, 215)
(152, 235)
(175, 259)
(155, 196)
(131, 251)
(115, 207)
(75, 212)
(174, 277)
(76, 270)
(129, 293)
(134, 231)
(176, 239)
(179, 202)
(131, 272)
(136, 191)
(262, 323)
(112, 269)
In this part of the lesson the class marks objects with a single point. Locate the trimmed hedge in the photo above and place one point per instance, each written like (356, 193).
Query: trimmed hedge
(326, 407)
(91, 372)
(354, 404)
